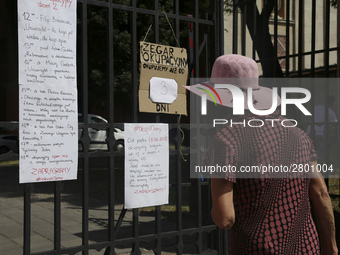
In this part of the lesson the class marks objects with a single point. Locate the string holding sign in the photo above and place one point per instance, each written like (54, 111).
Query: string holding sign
(173, 32)
(166, 16)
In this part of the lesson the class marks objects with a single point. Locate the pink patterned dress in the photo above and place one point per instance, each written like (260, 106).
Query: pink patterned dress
(272, 215)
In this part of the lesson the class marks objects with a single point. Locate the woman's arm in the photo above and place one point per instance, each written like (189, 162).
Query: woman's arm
(324, 214)
(222, 211)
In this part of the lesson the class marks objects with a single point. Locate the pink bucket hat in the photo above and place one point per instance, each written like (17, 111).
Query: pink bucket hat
(240, 71)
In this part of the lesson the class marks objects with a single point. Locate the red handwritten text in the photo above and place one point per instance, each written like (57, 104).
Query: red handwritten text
(145, 191)
(49, 171)
(42, 5)
(44, 179)
(64, 3)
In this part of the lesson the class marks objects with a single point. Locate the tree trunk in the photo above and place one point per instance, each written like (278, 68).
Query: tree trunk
(258, 27)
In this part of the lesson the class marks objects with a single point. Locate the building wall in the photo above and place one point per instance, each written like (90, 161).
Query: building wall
(293, 36)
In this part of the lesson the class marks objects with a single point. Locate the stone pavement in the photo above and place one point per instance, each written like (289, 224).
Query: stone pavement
(42, 215)
(11, 226)
(11, 230)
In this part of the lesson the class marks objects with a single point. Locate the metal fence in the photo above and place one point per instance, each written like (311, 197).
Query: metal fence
(184, 226)
(108, 72)
(296, 39)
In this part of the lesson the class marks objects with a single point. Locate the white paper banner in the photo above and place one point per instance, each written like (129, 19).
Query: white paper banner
(146, 165)
(47, 90)
(47, 42)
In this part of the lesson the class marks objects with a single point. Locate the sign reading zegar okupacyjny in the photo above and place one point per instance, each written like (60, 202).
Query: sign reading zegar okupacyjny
(47, 90)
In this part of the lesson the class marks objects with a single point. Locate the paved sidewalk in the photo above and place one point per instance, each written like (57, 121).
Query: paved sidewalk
(42, 214)
(42, 217)
(11, 222)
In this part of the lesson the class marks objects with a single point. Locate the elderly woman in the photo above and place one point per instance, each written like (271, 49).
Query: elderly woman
(263, 222)
(268, 214)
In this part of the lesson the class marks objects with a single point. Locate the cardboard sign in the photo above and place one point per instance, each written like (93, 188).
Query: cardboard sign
(163, 62)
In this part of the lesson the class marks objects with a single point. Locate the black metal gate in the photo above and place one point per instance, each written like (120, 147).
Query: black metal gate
(86, 216)
(286, 37)
(293, 39)
(108, 79)
(298, 39)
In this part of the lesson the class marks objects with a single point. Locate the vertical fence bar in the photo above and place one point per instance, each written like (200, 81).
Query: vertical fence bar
(135, 245)
(206, 69)
(111, 173)
(57, 217)
(27, 219)
(158, 226)
(196, 40)
(179, 201)
(219, 10)
(326, 129)
(156, 5)
(287, 36)
(254, 31)
(191, 47)
(326, 66)
(327, 35)
(85, 197)
(199, 216)
(180, 245)
(192, 57)
(300, 37)
(158, 223)
(313, 32)
(235, 26)
(225, 240)
(176, 11)
(135, 212)
(313, 38)
(178, 138)
(243, 29)
(134, 71)
(275, 33)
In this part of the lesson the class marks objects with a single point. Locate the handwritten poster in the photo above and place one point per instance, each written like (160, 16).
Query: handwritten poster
(47, 90)
(146, 165)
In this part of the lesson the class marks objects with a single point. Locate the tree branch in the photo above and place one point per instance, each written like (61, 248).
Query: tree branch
(259, 31)
(267, 10)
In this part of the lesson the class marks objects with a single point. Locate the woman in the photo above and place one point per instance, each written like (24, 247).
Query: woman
(276, 231)
(269, 214)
